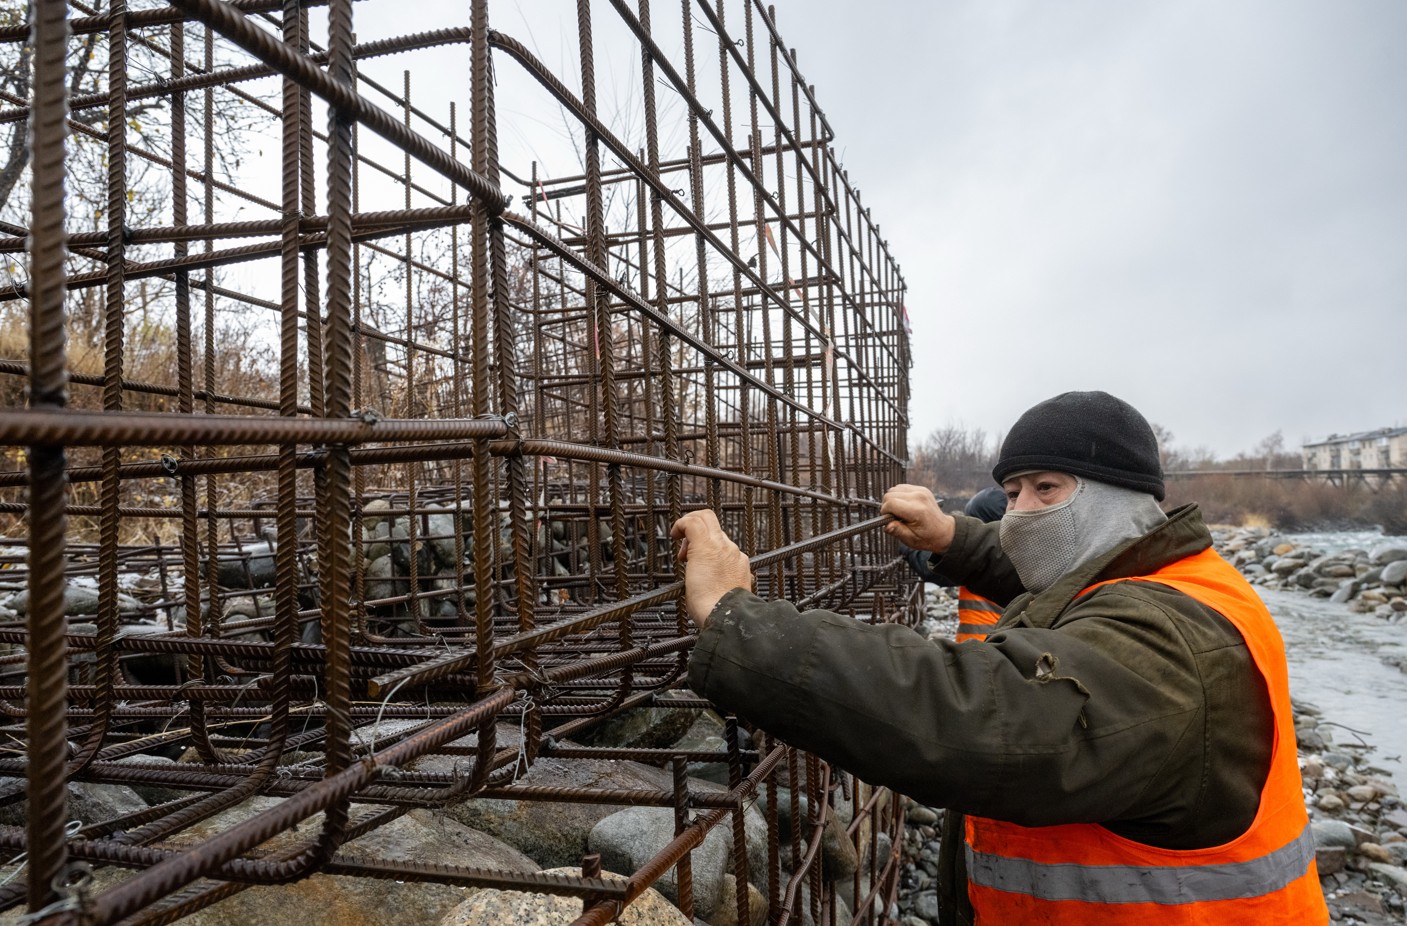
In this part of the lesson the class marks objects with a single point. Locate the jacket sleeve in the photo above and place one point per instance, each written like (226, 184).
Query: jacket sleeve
(1034, 726)
(919, 562)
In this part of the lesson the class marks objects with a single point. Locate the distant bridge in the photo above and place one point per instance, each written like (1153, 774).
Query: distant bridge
(1374, 479)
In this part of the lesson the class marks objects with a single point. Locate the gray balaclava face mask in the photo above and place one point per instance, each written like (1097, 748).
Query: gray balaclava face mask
(1046, 543)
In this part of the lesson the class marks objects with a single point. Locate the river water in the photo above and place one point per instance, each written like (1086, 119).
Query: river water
(1345, 664)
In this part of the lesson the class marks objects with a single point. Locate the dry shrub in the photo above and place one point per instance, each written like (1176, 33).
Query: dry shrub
(245, 366)
(1388, 508)
(1291, 503)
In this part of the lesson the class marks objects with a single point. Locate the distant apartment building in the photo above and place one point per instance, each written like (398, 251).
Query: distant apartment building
(1385, 448)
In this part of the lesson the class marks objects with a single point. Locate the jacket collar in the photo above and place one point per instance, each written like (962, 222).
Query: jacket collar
(1181, 535)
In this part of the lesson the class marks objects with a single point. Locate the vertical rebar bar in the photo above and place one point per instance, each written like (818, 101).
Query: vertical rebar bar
(335, 506)
(47, 656)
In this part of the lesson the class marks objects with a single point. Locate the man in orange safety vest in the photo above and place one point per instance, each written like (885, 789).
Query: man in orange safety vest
(1121, 748)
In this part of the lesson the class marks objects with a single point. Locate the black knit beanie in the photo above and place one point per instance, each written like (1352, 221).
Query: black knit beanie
(1090, 434)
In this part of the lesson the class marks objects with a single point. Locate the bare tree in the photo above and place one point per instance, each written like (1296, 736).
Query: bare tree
(954, 460)
(87, 70)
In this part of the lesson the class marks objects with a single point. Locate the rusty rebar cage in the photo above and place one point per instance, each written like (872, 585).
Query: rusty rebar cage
(363, 452)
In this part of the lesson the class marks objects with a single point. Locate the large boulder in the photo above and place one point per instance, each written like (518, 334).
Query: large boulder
(706, 735)
(253, 566)
(79, 600)
(553, 834)
(154, 794)
(659, 726)
(328, 900)
(88, 803)
(499, 908)
(629, 838)
(838, 856)
(726, 913)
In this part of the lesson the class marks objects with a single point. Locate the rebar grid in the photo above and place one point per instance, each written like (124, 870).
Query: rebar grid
(312, 497)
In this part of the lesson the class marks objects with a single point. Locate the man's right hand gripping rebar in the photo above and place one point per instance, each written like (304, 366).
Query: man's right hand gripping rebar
(918, 521)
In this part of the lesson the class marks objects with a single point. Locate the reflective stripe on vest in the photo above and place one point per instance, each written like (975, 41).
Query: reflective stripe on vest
(1167, 884)
(976, 615)
(1084, 874)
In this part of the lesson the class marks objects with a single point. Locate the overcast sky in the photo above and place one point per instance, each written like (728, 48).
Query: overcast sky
(1200, 205)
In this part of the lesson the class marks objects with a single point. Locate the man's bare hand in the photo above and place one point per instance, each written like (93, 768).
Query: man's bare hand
(918, 521)
(715, 565)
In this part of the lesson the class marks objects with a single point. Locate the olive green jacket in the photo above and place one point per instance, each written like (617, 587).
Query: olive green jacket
(1133, 706)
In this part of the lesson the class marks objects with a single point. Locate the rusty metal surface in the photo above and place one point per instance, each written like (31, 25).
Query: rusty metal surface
(320, 469)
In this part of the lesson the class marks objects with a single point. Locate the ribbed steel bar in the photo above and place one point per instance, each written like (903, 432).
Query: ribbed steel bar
(143, 429)
(47, 669)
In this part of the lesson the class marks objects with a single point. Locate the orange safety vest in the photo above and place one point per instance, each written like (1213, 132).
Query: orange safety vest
(1083, 874)
(976, 615)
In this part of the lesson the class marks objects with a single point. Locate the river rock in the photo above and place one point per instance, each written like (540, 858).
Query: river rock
(1329, 833)
(379, 583)
(1361, 902)
(1338, 760)
(1395, 572)
(1391, 875)
(1310, 739)
(1330, 859)
(1329, 802)
(1385, 553)
(1375, 853)
(378, 539)
(926, 906)
(920, 815)
(1362, 793)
